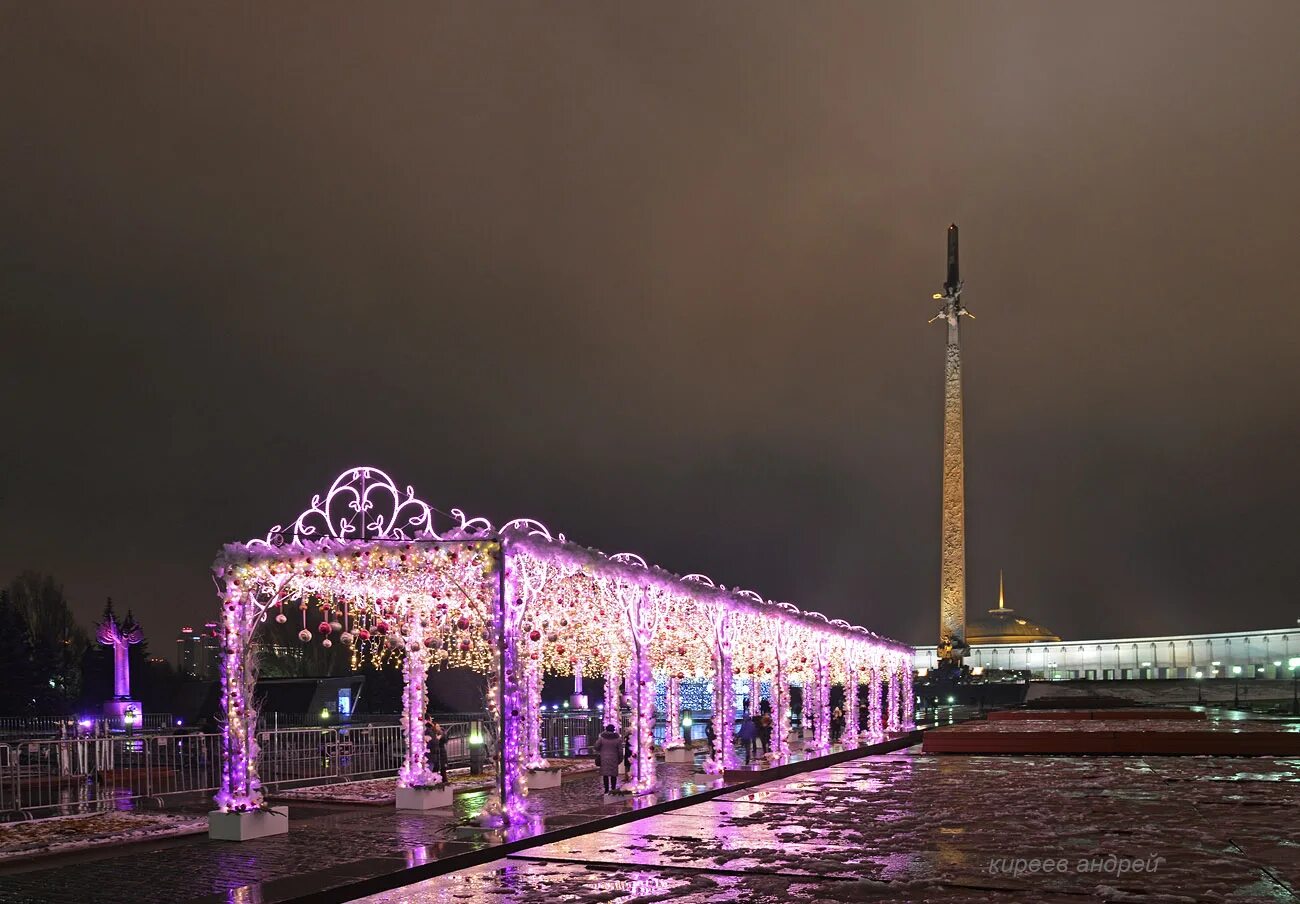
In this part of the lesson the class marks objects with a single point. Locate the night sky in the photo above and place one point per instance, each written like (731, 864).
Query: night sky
(658, 275)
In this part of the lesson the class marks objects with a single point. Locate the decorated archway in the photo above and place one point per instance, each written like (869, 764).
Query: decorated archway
(366, 565)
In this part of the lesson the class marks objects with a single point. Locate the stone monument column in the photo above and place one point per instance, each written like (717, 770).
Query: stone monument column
(952, 580)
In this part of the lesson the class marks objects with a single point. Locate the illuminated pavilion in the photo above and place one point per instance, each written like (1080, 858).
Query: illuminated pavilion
(365, 564)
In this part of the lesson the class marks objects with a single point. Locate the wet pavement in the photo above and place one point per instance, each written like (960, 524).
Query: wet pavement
(329, 845)
(912, 827)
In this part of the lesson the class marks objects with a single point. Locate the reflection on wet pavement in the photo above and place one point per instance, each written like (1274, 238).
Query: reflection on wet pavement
(945, 829)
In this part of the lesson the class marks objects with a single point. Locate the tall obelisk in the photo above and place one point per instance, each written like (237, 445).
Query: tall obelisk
(952, 580)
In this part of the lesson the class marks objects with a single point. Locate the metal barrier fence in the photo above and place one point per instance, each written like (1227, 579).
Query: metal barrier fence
(49, 777)
(29, 728)
(46, 777)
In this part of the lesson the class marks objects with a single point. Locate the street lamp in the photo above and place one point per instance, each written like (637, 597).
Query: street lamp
(1236, 682)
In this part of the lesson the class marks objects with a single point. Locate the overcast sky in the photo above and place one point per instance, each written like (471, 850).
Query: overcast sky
(658, 275)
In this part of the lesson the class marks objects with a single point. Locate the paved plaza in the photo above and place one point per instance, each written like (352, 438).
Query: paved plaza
(913, 827)
(328, 845)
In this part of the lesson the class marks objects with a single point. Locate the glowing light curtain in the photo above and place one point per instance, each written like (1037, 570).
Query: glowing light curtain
(673, 734)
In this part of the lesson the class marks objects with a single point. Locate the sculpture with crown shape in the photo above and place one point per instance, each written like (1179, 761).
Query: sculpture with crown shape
(119, 636)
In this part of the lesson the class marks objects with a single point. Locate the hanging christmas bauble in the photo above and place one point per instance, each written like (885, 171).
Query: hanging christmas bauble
(363, 634)
(346, 639)
(325, 628)
(327, 643)
(535, 635)
(464, 646)
(462, 623)
(281, 618)
(304, 635)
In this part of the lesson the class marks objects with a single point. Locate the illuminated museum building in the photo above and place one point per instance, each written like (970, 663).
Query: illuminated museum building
(1006, 640)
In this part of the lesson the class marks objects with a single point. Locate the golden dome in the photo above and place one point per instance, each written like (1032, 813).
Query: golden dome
(1002, 625)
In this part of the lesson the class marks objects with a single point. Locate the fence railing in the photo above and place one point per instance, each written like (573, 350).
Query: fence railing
(25, 728)
(51, 776)
(48, 777)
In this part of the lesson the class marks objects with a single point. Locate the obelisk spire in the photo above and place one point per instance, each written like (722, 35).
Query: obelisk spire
(952, 572)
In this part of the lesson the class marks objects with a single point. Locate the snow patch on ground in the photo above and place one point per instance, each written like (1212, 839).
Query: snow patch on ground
(73, 833)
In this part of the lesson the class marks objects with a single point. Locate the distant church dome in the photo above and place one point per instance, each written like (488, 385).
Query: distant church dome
(1002, 625)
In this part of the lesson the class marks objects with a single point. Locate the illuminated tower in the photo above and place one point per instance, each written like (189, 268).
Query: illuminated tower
(952, 573)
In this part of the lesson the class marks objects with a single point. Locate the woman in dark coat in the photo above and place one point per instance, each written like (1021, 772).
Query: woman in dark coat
(436, 744)
(608, 751)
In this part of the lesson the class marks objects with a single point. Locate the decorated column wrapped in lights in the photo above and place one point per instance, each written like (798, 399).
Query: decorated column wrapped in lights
(909, 695)
(822, 695)
(240, 786)
(643, 619)
(875, 725)
(849, 737)
(783, 642)
(415, 772)
(513, 777)
(893, 722)
(724, 718)
(531, 579)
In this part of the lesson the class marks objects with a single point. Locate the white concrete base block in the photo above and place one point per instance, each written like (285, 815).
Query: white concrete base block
(424, 798)
(678, 755)
(247, 824)
(543, 778)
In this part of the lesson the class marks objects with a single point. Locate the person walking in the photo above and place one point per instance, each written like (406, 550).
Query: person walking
(748, 732)
(608, 750)
(436, 744)
(765, 730)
